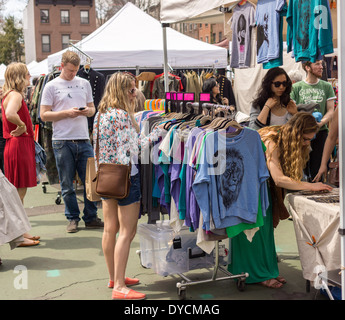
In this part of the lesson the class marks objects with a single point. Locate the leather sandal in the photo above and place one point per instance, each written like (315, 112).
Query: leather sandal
(131, 295)
(281, 279)
(272, 283)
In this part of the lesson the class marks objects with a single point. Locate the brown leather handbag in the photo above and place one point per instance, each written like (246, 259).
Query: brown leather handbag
(112, 180)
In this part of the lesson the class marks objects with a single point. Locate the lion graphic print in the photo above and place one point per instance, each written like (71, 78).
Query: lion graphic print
(231, 179)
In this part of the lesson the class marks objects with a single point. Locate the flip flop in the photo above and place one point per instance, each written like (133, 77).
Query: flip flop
(29, 244)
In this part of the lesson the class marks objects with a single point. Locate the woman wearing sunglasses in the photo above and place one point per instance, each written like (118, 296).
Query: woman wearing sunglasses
(273, 105)
(119, 142)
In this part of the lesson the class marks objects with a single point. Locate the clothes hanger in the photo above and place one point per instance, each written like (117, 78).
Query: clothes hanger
(87, 67)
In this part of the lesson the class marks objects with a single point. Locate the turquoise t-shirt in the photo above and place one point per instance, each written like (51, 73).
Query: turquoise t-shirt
(320, 92)
(310, 30)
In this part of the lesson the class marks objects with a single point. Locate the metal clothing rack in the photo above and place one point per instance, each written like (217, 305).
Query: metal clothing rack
(83, 56)
(241, 278)
(197, 108)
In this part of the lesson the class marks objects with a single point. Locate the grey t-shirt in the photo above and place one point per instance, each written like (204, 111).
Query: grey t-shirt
(241, 22)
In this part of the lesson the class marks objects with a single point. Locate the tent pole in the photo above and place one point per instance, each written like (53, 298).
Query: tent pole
(341, 100)
(165, 53)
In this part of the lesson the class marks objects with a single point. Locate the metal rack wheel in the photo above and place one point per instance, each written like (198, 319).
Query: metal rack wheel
(181, 293)
(241, 284)
(181, 290)
(138, 252)
(58, 198)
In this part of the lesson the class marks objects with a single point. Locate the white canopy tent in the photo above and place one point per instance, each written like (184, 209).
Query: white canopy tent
(182, 10)
(38, 68)
(132, 38)
(31, 64)
(173, 11)
(2, 73)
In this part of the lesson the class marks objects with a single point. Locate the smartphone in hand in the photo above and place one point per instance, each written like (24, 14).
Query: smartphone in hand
(81, 108)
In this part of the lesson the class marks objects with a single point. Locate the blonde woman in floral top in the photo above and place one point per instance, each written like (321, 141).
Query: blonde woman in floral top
(119, 142)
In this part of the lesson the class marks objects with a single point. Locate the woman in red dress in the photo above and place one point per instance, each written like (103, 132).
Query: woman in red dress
(19, 153)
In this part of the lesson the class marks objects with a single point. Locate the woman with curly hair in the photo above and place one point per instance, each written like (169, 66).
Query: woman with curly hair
(287, 151)
(273, 105)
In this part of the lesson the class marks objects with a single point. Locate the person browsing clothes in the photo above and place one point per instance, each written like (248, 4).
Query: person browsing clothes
(67, 102)
(120, 142)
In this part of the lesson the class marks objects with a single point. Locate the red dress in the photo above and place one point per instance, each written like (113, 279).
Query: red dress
(19, 153)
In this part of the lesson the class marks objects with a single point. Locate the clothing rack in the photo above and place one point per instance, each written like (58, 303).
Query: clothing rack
(81, 54)
(210, 107)
(196, 108)
(186, 282)
(241, 278)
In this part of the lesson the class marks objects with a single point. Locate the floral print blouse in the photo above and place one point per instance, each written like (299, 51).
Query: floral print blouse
(119, 142)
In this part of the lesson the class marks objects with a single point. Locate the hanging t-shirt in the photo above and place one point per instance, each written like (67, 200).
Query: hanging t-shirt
(320, 92)
(268, 25)
(310, 30)
(278, 61)
(241, 22)
(230, 178)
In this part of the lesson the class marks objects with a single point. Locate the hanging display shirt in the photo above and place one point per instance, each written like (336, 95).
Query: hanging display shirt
(232, 172)
(268, 25)
(241, 22)
(310, 31)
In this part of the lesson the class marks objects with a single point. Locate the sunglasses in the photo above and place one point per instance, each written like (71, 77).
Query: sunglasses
(132, 91)
(277, 84)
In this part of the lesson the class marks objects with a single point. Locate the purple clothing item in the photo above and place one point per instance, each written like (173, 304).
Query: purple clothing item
(192, 207)
(160, 179)
(175, 182)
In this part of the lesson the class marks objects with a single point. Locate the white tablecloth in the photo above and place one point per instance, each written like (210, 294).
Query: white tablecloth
(320, 222)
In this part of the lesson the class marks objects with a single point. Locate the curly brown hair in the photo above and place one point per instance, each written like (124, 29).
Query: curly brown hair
(288, 138)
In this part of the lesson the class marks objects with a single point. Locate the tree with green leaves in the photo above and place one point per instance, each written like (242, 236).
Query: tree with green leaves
(11, 42)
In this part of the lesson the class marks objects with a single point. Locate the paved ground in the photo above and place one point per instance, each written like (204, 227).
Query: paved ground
(71, 266)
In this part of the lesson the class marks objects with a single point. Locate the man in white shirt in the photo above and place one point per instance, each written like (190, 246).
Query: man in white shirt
(67, 102)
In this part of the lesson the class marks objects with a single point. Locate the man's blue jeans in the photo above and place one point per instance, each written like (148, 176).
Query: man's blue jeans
(71, 157)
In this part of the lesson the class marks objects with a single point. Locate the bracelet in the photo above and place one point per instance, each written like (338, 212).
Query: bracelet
(23, 126)
(267, 106)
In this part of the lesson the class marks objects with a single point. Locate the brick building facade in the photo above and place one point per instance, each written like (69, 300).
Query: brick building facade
(49, 25)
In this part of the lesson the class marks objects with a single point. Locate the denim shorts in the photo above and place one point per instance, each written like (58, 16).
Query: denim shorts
(134, 192)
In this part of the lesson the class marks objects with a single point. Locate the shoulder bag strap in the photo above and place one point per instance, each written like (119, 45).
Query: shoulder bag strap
(97, 140)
